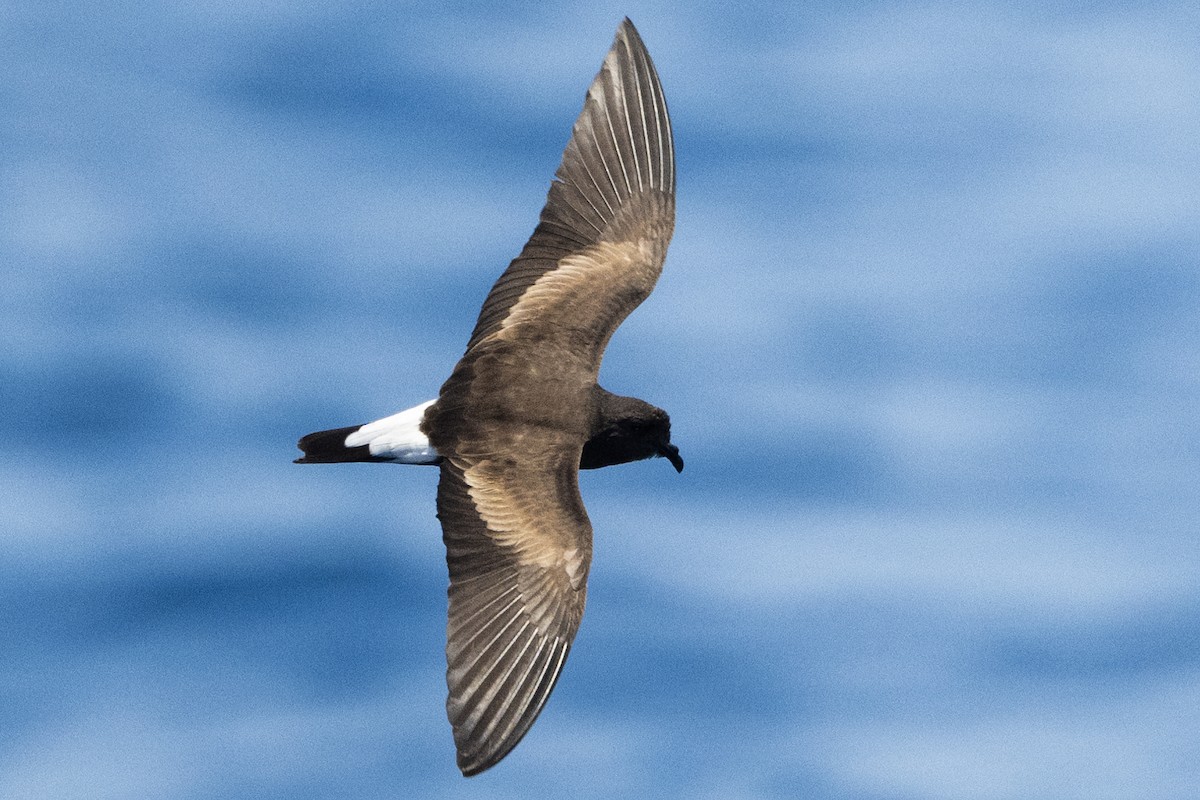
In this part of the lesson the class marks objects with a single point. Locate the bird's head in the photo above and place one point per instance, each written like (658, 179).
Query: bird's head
(630, 430)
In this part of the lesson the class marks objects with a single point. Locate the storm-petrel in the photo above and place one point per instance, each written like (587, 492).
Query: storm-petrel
(522, 413)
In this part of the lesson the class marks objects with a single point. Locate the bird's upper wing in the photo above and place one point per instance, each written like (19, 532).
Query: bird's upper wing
(518, 544)
(599, 246)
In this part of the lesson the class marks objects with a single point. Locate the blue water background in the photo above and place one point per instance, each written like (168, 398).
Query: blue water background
(929, 334)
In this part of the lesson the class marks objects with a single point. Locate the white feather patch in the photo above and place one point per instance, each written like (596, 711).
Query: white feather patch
(397, 437)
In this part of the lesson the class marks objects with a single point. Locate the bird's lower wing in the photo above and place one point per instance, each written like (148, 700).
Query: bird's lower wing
(518, 548)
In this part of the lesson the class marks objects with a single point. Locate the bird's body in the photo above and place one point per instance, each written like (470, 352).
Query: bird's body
(521, 412)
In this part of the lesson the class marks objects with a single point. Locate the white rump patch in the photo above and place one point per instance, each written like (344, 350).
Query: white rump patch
(398, 437)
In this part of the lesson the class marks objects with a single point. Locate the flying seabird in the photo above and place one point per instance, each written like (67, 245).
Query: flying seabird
(522, 413)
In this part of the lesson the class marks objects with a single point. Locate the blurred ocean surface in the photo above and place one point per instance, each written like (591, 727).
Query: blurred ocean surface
(929, 334)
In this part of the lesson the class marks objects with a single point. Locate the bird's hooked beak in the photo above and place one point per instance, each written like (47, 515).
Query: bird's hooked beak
(671, 453)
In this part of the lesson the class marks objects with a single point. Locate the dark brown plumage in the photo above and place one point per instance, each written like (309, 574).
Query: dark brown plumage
(522, 413)
(513, 419)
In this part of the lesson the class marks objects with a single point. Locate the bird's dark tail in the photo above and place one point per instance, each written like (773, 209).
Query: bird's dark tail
(329, 447)
(397, 439)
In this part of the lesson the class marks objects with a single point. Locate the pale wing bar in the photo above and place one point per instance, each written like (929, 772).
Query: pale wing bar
(621, 148)
(510, 629)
